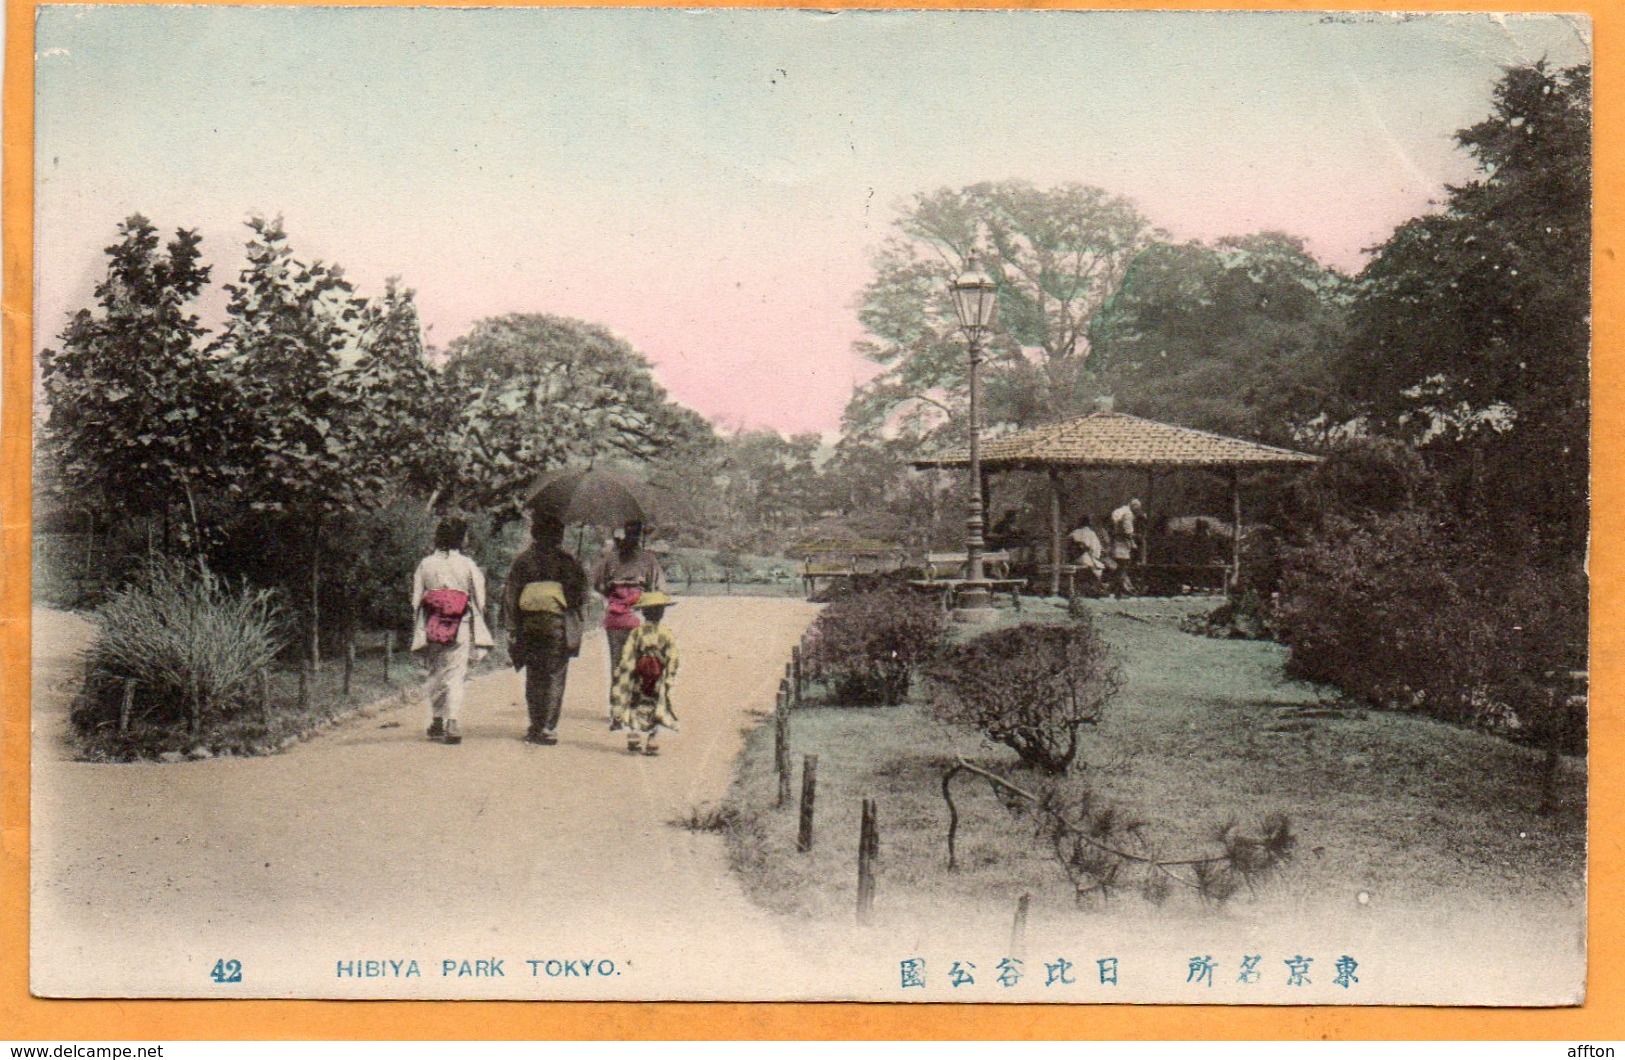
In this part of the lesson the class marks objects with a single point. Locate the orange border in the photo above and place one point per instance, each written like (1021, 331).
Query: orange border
(1601, 1018)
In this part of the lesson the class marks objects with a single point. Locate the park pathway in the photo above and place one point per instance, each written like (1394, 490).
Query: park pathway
(369, 843)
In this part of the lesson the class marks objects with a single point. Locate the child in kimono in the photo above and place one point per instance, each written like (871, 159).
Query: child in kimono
(640, 698)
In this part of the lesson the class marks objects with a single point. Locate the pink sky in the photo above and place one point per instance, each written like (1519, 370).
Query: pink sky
(711, 185)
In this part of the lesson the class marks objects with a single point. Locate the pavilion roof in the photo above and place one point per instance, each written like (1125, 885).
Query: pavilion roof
(1117, 440)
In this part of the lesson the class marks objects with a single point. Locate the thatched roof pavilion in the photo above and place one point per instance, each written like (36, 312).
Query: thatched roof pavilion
(1116, 441)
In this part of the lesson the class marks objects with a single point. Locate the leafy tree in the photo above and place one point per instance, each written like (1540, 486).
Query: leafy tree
(400, 404)
(771, 479)
(1471, 329)
(136, 408)
(1239, 337)
(742, 491)
(533, 391)
(1057, 254)
(289, 327)
(867, 484)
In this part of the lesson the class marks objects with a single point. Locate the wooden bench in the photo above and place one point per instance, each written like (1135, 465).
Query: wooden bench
(949, 589)
(950, 565)
(945, 573)
(843, 563)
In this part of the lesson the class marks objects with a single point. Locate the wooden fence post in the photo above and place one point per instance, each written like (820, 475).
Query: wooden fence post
(781, 746)
(809, 792)
(868, 850)
(389, 654)
(795, 669)
(265, 696)
(349, 662)
(197, 706)
(1018, 930)
(127, 705)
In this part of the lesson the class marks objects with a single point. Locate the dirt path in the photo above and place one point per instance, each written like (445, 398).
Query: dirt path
(371, 843)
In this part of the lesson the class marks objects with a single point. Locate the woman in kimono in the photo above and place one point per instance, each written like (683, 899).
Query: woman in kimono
(448, 625)
(622, 574)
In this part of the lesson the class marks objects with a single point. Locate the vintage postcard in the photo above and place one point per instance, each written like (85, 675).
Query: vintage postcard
(1068, 507)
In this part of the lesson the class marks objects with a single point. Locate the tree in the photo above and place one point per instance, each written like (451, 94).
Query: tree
(867, 484)
(289, 327)
(137, 409)
(400, 403)
(1057, 254)
(1471, 327)
(772, 480)
(1239, 337)
(534, 391)
(289, 324)
(742, 491)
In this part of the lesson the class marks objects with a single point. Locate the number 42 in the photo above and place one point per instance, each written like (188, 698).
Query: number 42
(227, 971)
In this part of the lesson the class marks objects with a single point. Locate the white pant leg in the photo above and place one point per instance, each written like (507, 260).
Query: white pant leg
(448, 674)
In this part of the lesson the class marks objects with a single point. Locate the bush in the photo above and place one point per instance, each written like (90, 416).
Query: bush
(1402, 611)
(869, 644)
(1030, 687)
(368, 565)
(1372, 607)
(193, 645)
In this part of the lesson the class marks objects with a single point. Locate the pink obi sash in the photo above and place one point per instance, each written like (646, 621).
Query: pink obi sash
(444, 610)
(618, 613)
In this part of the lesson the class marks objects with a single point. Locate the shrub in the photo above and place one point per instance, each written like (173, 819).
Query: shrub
(368, 567)
(868, 644)
(1030, 687)
(1372, 606)
(192, 643)
(1403, 611)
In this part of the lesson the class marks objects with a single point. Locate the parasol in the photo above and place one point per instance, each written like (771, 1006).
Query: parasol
(601, 498)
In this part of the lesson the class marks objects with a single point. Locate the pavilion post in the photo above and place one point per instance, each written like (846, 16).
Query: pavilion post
(1145, 531)
(1235, 529)
(1054, 532)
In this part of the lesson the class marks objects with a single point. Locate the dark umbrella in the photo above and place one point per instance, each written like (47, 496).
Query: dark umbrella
(601, 498)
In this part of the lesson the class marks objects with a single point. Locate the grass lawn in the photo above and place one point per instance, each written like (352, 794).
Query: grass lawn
(1396, 806)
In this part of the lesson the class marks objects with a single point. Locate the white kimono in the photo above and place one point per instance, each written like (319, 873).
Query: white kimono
(448, 663)
(450, 570)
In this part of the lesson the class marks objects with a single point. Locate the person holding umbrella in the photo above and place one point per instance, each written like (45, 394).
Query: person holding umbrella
(621, 574)
(621, 577)
(544, 593)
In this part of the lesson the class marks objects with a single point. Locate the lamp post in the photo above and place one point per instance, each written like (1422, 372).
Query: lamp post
(976, 301)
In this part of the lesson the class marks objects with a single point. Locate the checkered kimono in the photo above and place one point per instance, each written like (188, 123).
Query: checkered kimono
(629, 706)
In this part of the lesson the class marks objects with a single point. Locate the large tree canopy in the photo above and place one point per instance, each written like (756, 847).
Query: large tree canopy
(400, 405)
(1472, 328)
(135, 408)
(289, 326)
(1057, 254)
(534, 391)
(1238, 337)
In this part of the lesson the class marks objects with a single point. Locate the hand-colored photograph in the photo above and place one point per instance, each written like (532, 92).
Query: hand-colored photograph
(946, 506)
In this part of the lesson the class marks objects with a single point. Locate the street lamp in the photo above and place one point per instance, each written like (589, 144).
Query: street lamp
(976, 301)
